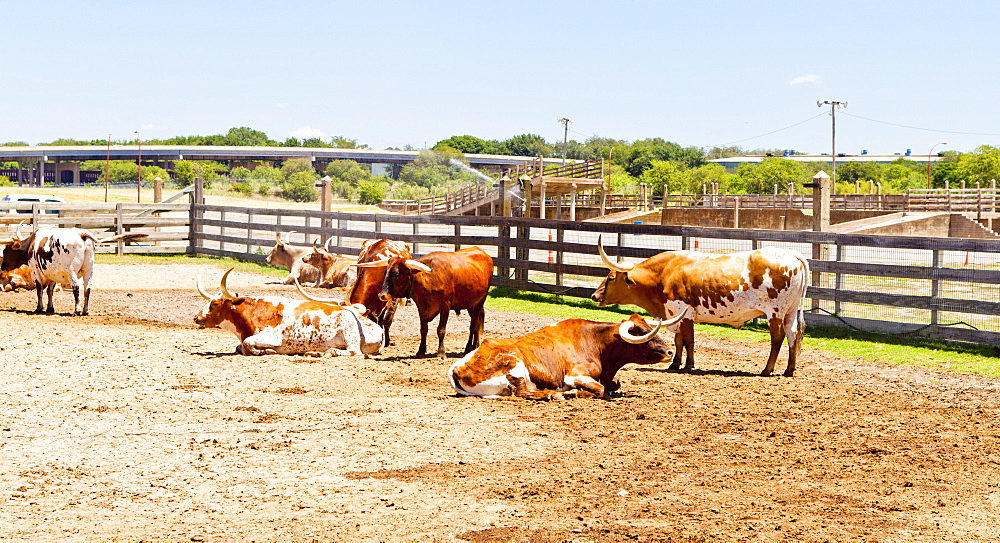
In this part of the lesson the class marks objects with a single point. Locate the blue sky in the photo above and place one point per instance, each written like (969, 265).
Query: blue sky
(391, 74)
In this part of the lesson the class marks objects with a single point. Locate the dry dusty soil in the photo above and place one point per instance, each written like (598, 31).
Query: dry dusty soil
(132, 425)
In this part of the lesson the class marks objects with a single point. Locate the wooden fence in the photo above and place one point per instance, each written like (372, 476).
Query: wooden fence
(166, 224)
(935, 287)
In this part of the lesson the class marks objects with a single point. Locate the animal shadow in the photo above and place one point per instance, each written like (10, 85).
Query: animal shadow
(722, 373)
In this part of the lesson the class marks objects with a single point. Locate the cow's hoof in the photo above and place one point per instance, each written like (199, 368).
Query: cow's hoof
(789, 374)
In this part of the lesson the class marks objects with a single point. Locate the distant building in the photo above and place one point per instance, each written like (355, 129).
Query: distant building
(733, 162)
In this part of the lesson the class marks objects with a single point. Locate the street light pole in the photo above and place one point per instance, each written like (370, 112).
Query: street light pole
(929, 162)
(834, 106)
(138, 181)
(107, 170)
(565, 122)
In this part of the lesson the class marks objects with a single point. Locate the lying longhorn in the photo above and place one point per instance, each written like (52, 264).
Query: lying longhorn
(292, 257)
(275, 325)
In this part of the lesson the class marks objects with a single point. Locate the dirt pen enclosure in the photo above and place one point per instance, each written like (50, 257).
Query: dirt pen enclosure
(132, 425)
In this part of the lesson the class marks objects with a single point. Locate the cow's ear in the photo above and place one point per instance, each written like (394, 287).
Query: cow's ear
(628, 280)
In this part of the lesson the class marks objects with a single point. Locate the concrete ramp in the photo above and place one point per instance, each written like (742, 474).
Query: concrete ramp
(932, 224)
(629, 216)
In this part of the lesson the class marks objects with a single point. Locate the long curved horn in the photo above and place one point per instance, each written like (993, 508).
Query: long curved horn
(201, 289)
(670, 322)
(316, 247)
(226, 295)
(419, 266)
(374, 264)
(287, 235)
(17, 231)
(613, 266)
(326, 244)
(277, 239)
(623, 331)
(312, 298)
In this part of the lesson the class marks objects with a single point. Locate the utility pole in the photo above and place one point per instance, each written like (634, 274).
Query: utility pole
(565, 122)
(834, 106)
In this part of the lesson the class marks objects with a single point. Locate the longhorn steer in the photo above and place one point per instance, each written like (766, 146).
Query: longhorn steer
(440, 282)
(369, 282)
(334, 270)
(283, 326)
(56, 256)
(291, 256)
(721, 288)
(574, 357)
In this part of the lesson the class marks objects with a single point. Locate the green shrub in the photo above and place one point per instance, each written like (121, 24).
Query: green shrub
(5, 182)
(371, 192)
(242, 187)
(300, 187)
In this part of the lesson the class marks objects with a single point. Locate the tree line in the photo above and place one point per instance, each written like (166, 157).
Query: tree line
(660, 164)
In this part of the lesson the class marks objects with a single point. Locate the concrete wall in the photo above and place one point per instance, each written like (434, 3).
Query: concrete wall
(765, 218)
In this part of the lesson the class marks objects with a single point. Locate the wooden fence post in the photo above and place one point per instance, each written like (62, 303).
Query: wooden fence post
(503, 250)
(821, 223)
(119, 229)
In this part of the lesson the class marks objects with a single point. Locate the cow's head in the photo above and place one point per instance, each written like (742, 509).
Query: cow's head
(219, 307)
(616, 286)
(319, 257)
(279, 255)
(16, 278)
(640, 343)
(400, 275)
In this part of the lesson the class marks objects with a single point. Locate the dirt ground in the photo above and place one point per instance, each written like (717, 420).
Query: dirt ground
(132, 425)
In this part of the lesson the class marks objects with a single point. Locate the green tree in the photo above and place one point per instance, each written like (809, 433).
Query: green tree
(850, 172)
(348, 171)
(371, 191)
(436, 169)
(296, 165)
(664, 173)
(184, 173)
(640, 155)
(300, 187)
(527, 145)
(597, 148)
(248, 137)
(470, 144)
(239, 172)
(945, 172)
(697, 180)
(340, 142)
(5, 181)
(266, 173)
(315, 142)
(761, 178)
(982, 165)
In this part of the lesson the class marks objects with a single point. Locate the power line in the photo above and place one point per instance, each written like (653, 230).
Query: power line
(774, 131)
(919, 128)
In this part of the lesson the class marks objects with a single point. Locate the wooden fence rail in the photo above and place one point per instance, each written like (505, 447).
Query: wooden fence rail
(166, 225)
(935, 287)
